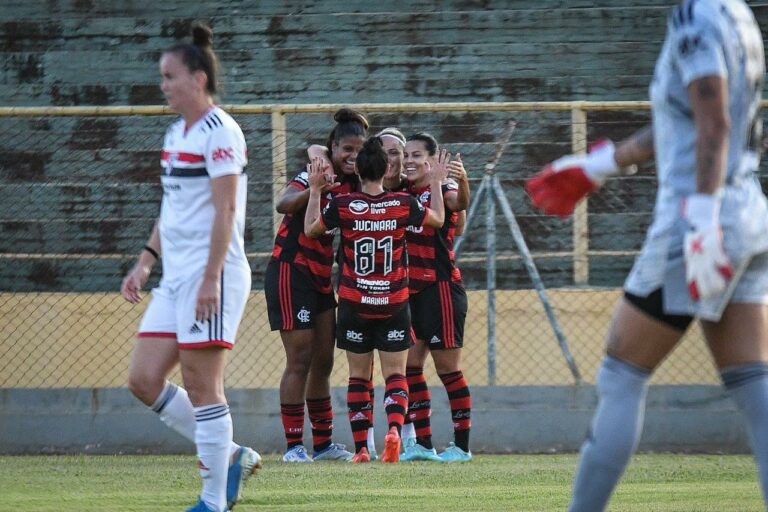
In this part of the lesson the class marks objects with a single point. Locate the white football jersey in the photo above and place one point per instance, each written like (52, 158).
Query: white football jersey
(192, 157)
(707, 38)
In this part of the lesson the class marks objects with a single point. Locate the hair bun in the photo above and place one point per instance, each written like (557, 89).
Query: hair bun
(349, 115)
(202, 35)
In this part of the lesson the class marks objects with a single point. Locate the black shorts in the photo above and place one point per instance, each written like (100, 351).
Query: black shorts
(361, 335)
(653, 305)
(292, 301)
(439, 312)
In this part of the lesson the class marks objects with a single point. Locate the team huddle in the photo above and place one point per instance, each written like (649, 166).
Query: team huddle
(396, 211)
(397, 204)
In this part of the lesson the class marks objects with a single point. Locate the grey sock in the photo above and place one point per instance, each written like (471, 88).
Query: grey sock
(613, 436)
(748, 385)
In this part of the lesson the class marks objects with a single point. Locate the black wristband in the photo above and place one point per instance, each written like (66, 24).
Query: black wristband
(152, 252)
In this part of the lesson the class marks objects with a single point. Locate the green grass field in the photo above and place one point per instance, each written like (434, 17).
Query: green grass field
(662, 483)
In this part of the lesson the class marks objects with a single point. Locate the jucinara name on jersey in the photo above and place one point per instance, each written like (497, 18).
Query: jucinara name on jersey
(374, 225)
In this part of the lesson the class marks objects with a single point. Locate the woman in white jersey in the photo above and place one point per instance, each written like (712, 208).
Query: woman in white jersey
(195, 311)
(706, 253)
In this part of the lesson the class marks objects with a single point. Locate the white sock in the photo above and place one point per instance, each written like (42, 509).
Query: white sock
(213, 437)
(371, 441)
(409, 431)
(176, 411)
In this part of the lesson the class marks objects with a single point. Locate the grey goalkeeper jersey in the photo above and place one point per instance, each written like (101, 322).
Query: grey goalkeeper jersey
(707, 38)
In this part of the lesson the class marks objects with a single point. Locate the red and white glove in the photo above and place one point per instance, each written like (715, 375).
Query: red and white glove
(707, 268)
(558, 188)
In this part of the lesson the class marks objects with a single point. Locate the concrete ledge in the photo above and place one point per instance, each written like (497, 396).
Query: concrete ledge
(531, 419)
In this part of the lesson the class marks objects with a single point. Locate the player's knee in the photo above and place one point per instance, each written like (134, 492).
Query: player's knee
(145, 387)
(322, 364)
(299, 359)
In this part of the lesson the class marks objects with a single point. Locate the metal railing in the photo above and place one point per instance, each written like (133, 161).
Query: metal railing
(66, 196)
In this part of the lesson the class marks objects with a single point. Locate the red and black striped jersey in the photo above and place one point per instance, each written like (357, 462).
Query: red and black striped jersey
(374, 269)
(311, 256)
(430, 250)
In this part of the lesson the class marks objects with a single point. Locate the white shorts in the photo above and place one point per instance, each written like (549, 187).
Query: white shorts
(171, 313)
(661, 265)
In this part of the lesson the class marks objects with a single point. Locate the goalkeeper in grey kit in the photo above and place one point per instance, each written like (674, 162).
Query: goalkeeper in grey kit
(706, 253)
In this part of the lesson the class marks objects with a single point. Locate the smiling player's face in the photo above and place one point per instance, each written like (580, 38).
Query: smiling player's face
(394, 152)
(415, 159)
(345, 153)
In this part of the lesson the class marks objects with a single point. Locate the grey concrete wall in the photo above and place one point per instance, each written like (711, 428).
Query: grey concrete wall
(505, 420)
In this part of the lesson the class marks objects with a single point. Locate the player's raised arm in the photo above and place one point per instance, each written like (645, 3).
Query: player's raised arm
(456, 171)
(318, 181)
(293, 200)
(562, 184)
(436, 175)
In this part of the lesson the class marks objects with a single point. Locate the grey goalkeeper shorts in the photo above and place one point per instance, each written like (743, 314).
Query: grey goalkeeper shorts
(661, 265)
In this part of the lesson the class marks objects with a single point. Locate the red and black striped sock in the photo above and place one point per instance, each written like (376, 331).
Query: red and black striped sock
(419, 405)
(396, 400)
(359, 405)
(321, 419)
(461, 407)
(293, 423)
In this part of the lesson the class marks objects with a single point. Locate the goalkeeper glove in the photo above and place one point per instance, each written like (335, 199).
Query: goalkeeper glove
(558, 188)
(707, 268)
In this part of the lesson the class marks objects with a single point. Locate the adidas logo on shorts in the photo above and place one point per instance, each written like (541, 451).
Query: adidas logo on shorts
(195, 329)
(434, 339)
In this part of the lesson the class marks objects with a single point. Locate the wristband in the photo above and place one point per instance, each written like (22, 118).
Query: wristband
(601, 162)
(702, 211)
(152, 252)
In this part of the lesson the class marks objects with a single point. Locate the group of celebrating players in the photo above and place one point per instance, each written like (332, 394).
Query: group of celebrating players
(402, 299)
(397, 203)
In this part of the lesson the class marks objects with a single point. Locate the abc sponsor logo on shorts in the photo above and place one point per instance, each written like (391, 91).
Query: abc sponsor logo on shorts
(354, 336)
(303, 315)
(395, 335)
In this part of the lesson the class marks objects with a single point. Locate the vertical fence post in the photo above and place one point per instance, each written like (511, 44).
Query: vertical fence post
(279, 166)
(490, 245)
(580, 218)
